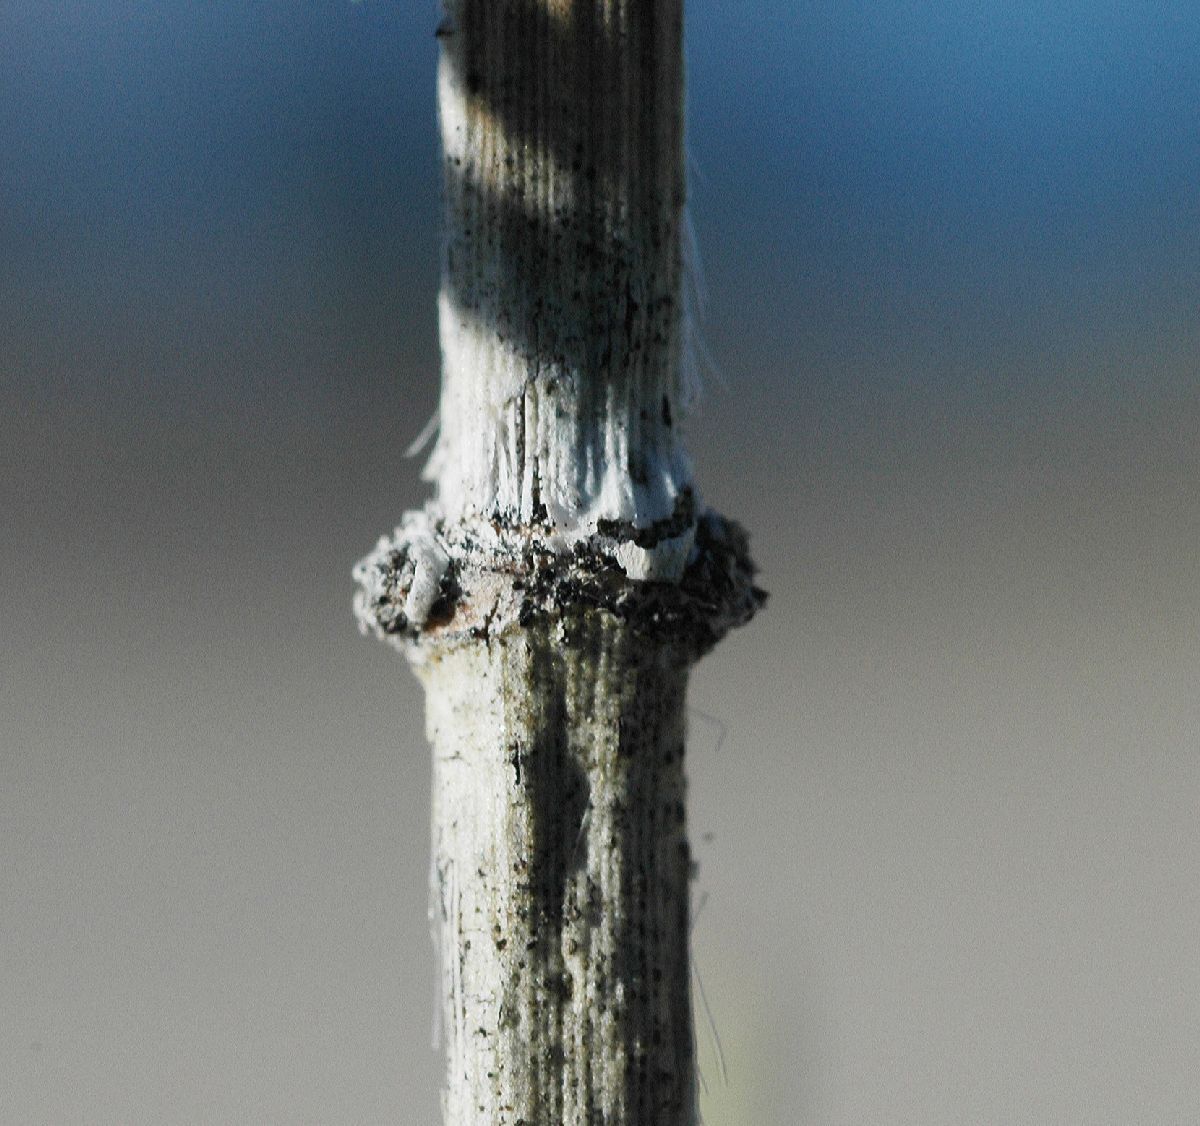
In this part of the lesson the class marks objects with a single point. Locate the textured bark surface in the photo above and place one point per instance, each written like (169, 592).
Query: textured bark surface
(562, 869)
(561, 323)
(555, 592)
(555, 691)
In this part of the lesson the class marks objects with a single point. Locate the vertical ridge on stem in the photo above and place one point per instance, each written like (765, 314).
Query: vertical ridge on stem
(561, 848)
(562, 125)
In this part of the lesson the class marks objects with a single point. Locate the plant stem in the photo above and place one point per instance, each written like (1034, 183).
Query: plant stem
(558, 775)
(562, 125)
(554, 595)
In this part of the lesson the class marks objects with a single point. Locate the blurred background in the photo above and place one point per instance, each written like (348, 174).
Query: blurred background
(944, 791)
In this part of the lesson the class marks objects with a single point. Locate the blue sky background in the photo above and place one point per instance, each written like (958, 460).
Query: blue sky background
(943, 792)
(951, 192)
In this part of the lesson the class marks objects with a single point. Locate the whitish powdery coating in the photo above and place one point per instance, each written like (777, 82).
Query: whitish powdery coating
(562, 314)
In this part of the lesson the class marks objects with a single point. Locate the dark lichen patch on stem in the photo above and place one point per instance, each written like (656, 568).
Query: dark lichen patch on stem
(675, 525)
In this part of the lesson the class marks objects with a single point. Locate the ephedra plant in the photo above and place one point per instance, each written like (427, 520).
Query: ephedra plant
(554, 594)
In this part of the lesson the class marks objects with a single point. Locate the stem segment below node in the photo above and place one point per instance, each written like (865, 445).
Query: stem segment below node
(562, 871)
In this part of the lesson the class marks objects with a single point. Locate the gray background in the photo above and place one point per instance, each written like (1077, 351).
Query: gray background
(944, 792)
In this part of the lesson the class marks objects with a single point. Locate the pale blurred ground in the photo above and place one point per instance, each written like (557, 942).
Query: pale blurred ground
(944, 791)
